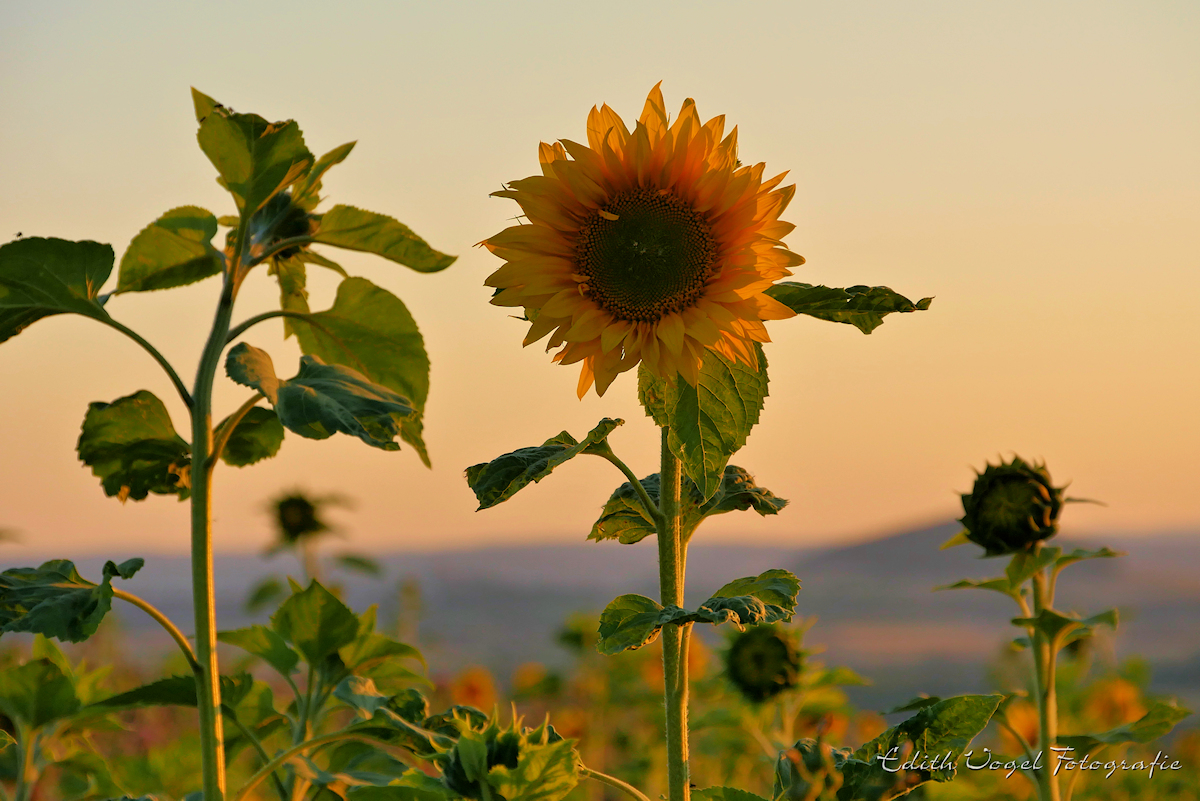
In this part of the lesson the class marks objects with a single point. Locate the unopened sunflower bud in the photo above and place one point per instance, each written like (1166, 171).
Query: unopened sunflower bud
(1012, 506)
(763, 662)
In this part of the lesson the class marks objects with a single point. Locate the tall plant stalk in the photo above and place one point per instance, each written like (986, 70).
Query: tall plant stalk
(1045, 655)
(675, 637)
(208, 674)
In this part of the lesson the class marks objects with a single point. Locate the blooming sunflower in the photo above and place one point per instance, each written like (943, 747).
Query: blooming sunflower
(649, 247)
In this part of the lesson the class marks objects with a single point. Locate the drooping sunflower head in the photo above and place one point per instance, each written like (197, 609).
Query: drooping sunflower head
(763, 661)
(1012, 506)
(648, 246)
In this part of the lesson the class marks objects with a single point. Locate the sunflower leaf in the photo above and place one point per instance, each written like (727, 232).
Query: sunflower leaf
(36, 693)
(264, 643)
(498, 480)
(1160, 719)
(356, 229)
(257, 436)
(174, 250)
(624, 519)
(255, 158)
(323, 399)
(43, 277)
(708, 422)
(133, 449)
(863, 307)
(370, 330)
(55, 601)
(316, 623)
(631, 621)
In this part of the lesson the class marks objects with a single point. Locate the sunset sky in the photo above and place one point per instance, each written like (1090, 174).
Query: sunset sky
(1034, 166)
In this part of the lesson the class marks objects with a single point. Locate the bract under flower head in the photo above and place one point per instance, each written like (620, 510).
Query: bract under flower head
(648, 246)
(1012, 506)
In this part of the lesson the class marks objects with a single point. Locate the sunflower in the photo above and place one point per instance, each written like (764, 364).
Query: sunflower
(649, 247)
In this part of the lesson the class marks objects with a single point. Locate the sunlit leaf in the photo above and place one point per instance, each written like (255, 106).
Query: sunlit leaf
(316, 623)
(1082, 554)
(55, 601)
(356, 229)
(323, 399)
(498, 480)
(708, 422)
(546, 769)
(1001, 584)
(36, 693)
(264, 643)
(174, 250)
(254, 158)
(132, 447)
(257, 436)
(43, 277)
(307, 189)
(1158, 721)
(1056, 625)
(176, 691)
(863, 307)
(623, 517)
(370, 330)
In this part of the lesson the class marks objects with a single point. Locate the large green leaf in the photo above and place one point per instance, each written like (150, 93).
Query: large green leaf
(36, 693)
(133, 449)
(43, 277)
(631, 621)
(177, 691)
(55, 601)
(254, 158)
(863, 307)
(1160, 719)
(323, 399)
(174, 250)
(624, 518)
(708, 422)
(356, 229)
(264, 643)
(370, 330)
(257, 436)
(942, 728)
(307, 189)
(316, 623)
(498, 480)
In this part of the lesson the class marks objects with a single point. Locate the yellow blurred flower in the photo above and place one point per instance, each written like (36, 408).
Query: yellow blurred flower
(1112, 702)
(475, 687)
(646, 246)
(1023, 717)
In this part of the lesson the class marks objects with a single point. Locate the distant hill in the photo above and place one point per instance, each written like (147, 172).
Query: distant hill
(502, 606)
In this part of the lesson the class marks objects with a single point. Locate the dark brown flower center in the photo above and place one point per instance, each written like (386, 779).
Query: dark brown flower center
(645, 255)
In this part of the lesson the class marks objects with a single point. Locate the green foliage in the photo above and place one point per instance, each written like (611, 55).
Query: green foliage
(37, 693)
(708, 422)
(515, 764)
(498, 480)
(176, 691)
(316, 622)
(55, 601)
(624, 518)
(174, 250)
(1056, 626)
(323, 399)
(863, 307)
(939, 728)
(132, 447)
(257, 436)
(264, 643)
(255, 158)
(355, 229)
(370, 330)
(1158, 721)
(632, 621)
(43, 277)
(725, 794)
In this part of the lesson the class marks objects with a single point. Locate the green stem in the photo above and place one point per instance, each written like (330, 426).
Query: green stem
(675, 638)
(158, 357)
(246, 325)
(262, 753)
(279, 247)
(208, 677)
(647, 502)
(165, 622)
(1045, 663)
(269, 768)
(27, 771)
(613, 781)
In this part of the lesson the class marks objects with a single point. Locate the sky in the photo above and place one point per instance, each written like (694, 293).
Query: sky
(1033, 166)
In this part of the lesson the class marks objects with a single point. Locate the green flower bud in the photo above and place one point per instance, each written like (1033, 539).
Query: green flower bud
(463, 772)
(279, 219)
(763, 661)
(1012, 506)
